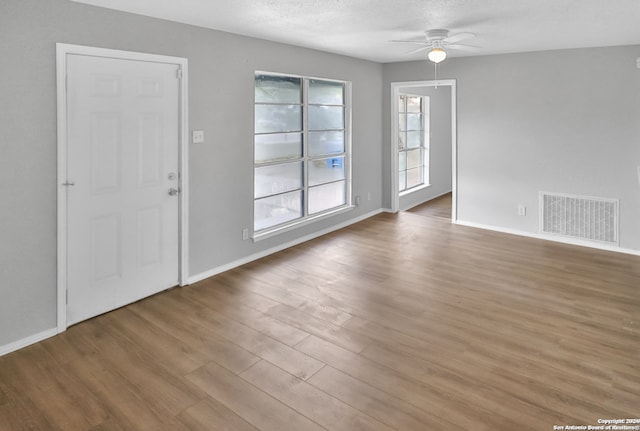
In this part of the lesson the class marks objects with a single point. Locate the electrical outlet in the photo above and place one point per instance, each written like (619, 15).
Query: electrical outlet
(522, 210)
(245, 234)
(357, 200)
(369, 195)
(198, 136)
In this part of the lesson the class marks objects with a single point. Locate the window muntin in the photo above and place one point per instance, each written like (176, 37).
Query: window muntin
(301, 153)
(413, 145)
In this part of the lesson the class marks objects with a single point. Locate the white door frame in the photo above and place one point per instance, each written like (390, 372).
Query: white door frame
(395, 93)
(62, 50)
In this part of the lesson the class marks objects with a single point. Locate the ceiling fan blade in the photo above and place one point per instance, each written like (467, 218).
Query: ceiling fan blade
(461, 47)
(459, 37)
(420, 42)
(424, 48)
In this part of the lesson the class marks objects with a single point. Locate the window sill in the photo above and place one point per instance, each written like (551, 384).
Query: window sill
(415, 189)
(269, 233)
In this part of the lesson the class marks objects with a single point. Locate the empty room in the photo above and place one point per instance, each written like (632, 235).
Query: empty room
(320, 215)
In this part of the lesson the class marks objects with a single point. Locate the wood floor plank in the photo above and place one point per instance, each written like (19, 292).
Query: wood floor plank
(154, 383)
(68, 405)
(426, 397)
(119, 397)
(310, 324)
(207, 294)
(438, 207)
(210, 414)
(201, 349)
(378, 404)
(166, 349)
(400, 321)
(313, 403)
(209, 321)
(20, 414)
(109, 425)
(247, 401)
(493, 391)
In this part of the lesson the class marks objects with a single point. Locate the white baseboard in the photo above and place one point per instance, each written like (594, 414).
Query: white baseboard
(16, 345)
(210, 273)
(562, 240)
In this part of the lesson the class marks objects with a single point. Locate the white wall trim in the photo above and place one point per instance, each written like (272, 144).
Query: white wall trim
(563, 240)
(242, 261)
(32, 339)
(395, 92)
(62, 50)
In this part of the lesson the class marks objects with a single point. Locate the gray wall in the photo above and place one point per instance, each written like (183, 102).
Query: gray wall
(559, 121)
(439, 145)
(221, 68)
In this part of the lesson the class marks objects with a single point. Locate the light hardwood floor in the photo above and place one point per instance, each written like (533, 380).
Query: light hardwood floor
(400, 322)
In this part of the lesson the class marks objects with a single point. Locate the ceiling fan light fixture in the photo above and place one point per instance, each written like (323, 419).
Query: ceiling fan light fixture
(437, 55)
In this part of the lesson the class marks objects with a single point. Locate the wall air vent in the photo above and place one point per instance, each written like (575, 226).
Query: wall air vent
(585, 218)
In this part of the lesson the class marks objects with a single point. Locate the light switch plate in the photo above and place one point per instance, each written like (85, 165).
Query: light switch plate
(198, 136)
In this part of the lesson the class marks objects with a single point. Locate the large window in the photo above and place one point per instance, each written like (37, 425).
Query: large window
(413, 141)
(301, 162)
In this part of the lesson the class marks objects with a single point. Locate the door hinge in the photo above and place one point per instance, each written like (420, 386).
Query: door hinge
(179, 73)
(67, 293)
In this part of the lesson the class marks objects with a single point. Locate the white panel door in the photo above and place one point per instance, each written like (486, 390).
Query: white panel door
(122, 162)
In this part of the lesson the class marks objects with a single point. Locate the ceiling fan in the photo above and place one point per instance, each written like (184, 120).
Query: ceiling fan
(438, 41)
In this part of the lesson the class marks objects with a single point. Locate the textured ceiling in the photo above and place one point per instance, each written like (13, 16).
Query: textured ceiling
(364, 28)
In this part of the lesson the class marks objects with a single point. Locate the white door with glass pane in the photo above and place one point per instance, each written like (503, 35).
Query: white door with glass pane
(301, 149)
(413, 141)
(122, 177)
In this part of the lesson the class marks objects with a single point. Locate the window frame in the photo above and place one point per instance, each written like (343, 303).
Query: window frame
(306, 158)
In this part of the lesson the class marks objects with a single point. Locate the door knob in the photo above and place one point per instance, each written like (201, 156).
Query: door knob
(173, 192)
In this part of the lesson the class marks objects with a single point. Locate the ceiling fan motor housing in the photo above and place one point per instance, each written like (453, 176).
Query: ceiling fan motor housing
(438, 34)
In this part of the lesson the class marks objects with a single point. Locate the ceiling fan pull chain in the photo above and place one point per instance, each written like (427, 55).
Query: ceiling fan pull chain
(435, 66)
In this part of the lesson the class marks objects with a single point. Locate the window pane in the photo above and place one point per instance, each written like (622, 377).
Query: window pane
(402, 141)
(414, 177)
(270, 180)
(326, 117)
(414, 104)
(326, 143)
(402, 181)
(402, 160)
(275, 210)
(326, 92)
(278, 89)
(401, 107)
(414, 139)
(414, 122)
(414, 158)
(278, 118)
(327, 196)
(326, 170)
(402, 122)
(279, 146)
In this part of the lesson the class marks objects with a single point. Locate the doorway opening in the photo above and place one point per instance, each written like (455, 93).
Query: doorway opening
(429, 135)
